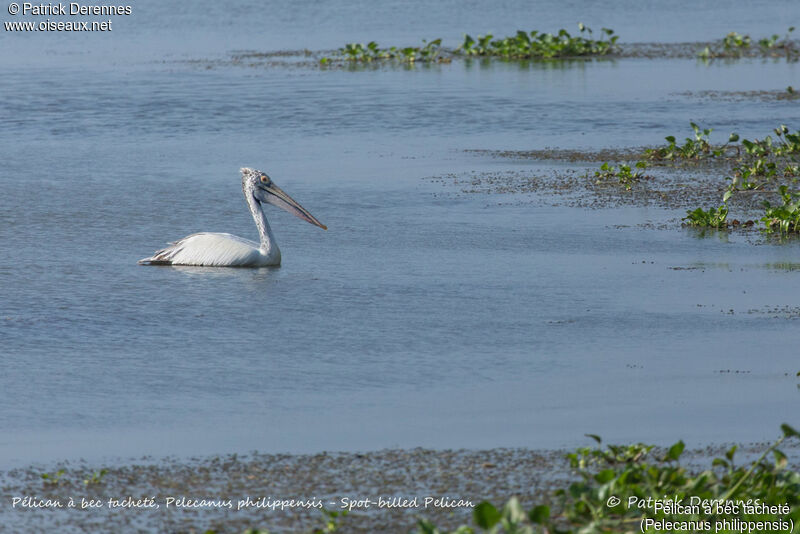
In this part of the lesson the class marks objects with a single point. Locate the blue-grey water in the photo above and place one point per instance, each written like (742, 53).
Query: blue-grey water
(421, 317)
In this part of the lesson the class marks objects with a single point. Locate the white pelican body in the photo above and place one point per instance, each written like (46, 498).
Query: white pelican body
(216, 250)
(227, 250)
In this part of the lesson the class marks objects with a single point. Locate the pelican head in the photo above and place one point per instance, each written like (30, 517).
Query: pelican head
(264, 190)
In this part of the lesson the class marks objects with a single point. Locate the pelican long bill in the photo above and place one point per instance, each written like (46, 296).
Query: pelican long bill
(280, 199)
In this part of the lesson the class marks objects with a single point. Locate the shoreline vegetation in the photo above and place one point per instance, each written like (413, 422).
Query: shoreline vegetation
(505, 490)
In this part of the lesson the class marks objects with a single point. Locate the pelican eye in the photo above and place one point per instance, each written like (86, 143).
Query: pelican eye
(264, 179)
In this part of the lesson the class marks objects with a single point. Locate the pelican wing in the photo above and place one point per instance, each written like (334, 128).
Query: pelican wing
(209, 249)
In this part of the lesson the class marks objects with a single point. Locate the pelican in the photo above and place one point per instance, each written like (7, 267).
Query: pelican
(226, 250)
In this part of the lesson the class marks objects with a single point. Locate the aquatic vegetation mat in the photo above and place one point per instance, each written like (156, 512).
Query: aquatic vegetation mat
(735, 45)
(627, 489)
(535, 44)
(757, 177)
(428, 52)
(623, 175)
(522, 45)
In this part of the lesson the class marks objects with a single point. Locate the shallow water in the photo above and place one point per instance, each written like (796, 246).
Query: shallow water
(422, 317)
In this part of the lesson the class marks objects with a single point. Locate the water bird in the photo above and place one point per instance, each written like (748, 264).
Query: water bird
(227, 250)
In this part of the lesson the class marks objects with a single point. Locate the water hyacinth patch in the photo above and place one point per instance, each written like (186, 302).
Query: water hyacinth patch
(711, 218)
(428, 52)
(612, 482)
(523, 45)
(735, 45)
(623, 175)
(786, 217)
(541, 45)
(696, 147)
(764, 162)
(765, 165)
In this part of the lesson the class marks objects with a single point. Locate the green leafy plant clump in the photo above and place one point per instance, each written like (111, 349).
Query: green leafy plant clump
(697, 147)
(618, 488)
(785, 217)
(428, 52)
(623, 175)
(525, 45)
(768, 166)
(771, 166)
(711, 218)
(735, 45)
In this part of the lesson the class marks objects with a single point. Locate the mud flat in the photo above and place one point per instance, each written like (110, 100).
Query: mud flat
(567, 177)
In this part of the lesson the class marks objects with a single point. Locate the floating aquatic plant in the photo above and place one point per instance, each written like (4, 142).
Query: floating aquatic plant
(735, 45)
(623, 175)
(534, 44)
(786, 217)
(711, 218)
(764, 162)
(735, 41)
(357, 52)
(523, 45)
(696, 147)
(612, 482)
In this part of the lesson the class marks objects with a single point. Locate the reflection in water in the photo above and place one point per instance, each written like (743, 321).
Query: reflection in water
(254, 274)
(706, 233)
(534, 64)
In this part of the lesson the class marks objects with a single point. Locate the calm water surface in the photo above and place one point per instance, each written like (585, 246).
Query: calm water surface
(421, 318)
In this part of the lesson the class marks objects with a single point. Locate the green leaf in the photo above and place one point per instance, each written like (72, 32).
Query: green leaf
(606, 475)
(539, 514)
(599, 440)
(486, 515)
(733, 138)
(789, 431)
(676, 450)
